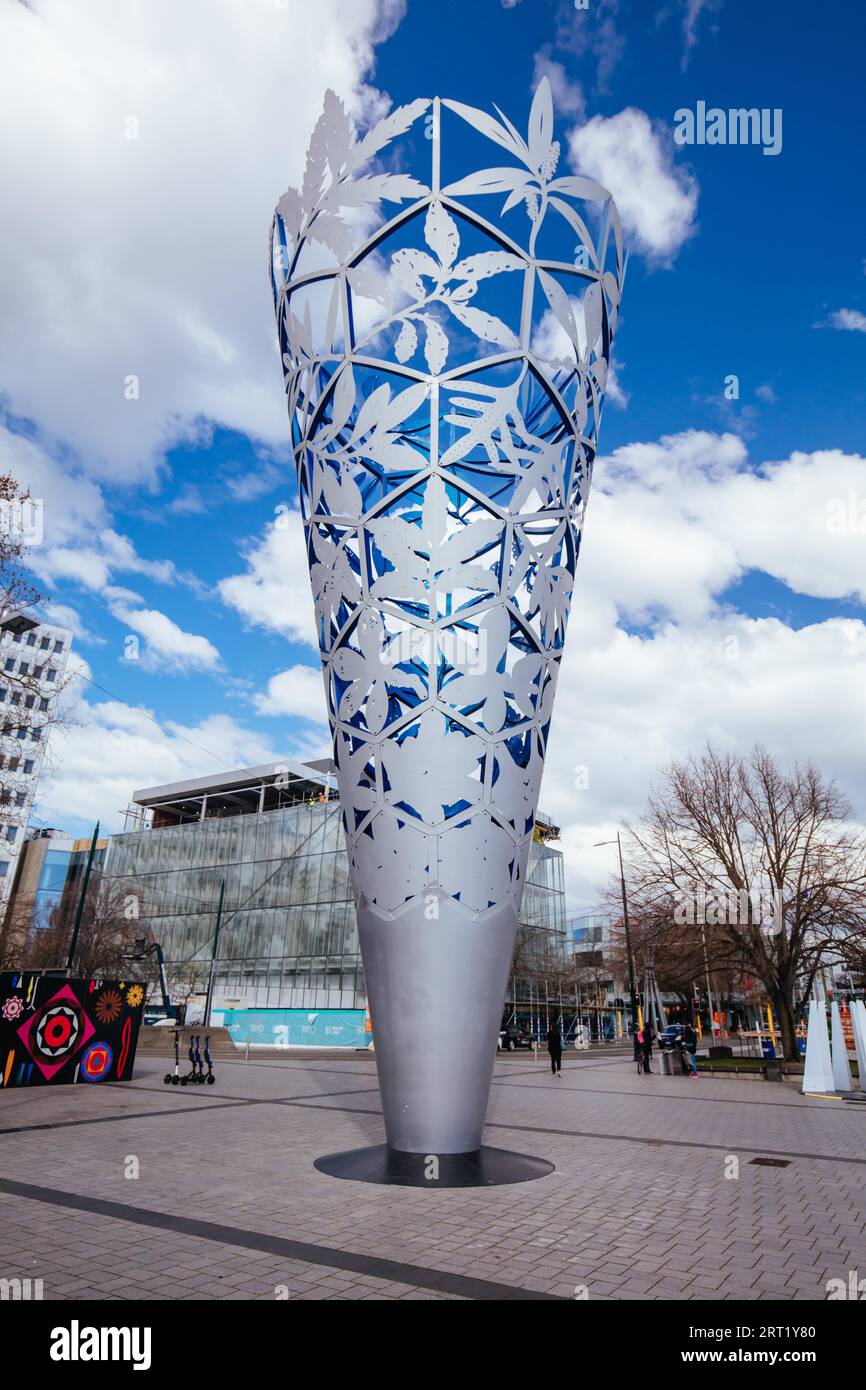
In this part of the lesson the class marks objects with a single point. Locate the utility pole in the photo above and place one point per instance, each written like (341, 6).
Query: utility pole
(216, 942)
(627, 943)
(631, 988)
(709, 991)
(79, 912)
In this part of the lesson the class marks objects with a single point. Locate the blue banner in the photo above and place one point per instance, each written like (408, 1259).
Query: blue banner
(297, 1027)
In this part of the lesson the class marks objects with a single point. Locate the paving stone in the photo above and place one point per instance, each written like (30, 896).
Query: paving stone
(639, 1207)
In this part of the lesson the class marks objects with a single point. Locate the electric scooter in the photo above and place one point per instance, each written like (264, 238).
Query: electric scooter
(173, 1078)
(192, 1073)
(199, 1076)
(210, 1078)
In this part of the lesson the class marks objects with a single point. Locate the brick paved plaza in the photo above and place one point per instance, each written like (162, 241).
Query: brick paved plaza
(228, 1205)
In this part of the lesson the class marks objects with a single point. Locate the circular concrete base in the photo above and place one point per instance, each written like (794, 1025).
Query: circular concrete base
(485, 1167)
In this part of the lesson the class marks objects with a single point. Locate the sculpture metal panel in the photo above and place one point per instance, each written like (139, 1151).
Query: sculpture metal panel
(446, 338)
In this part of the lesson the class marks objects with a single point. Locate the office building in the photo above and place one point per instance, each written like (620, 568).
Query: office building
(33, 657)
(270, 841)
(45, 888)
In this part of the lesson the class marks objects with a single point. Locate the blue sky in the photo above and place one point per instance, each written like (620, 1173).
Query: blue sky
(710, 529)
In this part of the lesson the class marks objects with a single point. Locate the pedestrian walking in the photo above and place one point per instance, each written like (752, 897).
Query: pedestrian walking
(688, 1048)
(646, 1038)
(554, 1047)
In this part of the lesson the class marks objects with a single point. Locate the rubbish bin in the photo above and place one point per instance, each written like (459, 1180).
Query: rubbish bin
(666, 1063)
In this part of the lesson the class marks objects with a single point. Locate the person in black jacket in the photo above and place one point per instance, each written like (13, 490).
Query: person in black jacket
(646, 1046)
(688, 1048)
(554, 1047)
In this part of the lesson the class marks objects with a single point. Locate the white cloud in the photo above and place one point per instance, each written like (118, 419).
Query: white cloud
(551, 341)
(63, 616)
(568, 98)
(274, 591)
(92, 566)
(767, 393)
(615, 392)
(848, 320)
(657, 201)
(591, 29)
(627, 704)
(111, 750)
(693, 11)
(674, 522)
(670, 525)
(144, 256)
(796, 521)
(297, 691)
(84, 567)
(188, 502)
(246, 487)
(78, 544)
(168, 646)
(121, 554)
(72, 504)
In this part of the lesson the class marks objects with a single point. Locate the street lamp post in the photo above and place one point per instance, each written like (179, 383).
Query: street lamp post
(631, 986)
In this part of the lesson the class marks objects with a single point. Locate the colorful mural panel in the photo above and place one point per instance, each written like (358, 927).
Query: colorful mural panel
(58, 1032)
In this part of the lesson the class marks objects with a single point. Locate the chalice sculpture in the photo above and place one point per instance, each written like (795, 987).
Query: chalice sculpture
(446, 338)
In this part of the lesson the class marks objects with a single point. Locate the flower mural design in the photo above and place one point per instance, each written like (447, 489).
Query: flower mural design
(108, 1006)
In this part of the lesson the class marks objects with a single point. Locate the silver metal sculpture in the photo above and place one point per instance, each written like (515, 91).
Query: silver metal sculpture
(445, 364)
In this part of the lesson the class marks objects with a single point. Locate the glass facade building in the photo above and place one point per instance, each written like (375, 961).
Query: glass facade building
(33, 659)
(287, 932)
(46, 887)
(287, 935)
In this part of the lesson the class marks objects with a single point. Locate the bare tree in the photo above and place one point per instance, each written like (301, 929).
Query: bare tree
(760, 866)
(186, 979)
(104, 935)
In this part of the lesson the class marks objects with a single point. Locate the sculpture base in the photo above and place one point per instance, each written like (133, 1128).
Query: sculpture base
(436, 982)
(485, 1167)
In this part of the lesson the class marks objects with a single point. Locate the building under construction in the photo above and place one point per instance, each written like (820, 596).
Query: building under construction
(269, 842)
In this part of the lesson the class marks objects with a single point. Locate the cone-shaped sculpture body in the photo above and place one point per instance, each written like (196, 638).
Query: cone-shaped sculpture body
(435, 1084)
(858, 1021)
(818, 1071)
(841, 1067)
(446, 339)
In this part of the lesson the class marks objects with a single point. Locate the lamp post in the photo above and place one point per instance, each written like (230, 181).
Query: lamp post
(216, 942)
(631, 986)
(82, 898)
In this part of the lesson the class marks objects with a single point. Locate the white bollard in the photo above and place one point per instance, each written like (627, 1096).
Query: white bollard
(858, 1021)
(841, 1069)
(818, 1072)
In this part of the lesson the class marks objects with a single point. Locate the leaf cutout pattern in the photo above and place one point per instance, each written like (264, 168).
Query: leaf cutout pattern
(444, 459)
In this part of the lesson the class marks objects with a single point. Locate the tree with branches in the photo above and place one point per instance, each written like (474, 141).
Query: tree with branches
(107, 927)
(760, 867)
